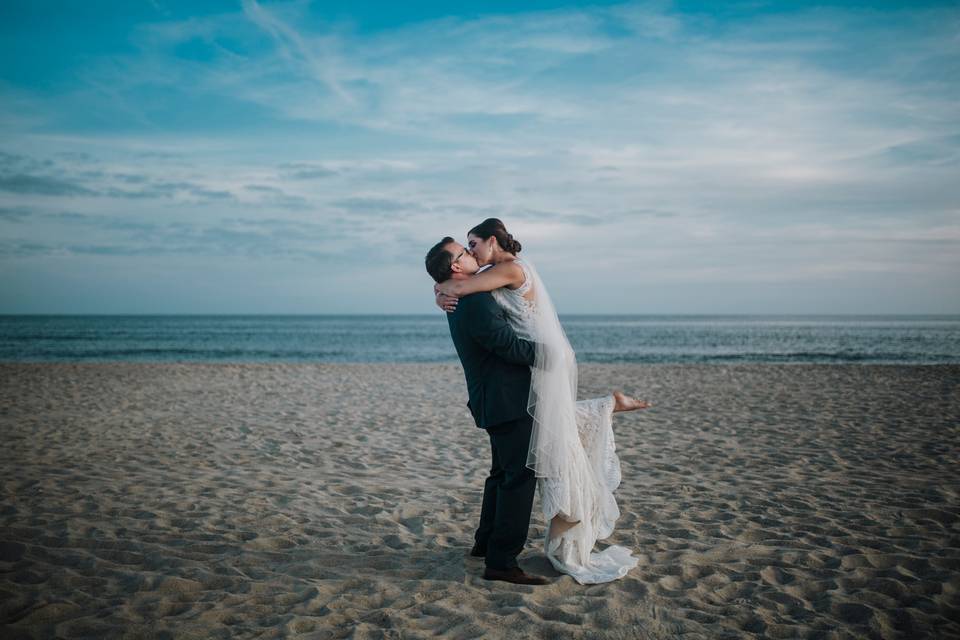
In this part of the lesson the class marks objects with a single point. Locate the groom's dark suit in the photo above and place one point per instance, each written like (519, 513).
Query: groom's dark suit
(496, 364)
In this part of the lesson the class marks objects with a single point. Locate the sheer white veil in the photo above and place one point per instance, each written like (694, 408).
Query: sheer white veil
(553, 389)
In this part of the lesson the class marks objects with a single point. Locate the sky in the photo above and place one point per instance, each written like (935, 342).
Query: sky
(653, 157)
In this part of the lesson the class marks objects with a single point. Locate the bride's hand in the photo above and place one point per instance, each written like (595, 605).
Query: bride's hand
(445, 302)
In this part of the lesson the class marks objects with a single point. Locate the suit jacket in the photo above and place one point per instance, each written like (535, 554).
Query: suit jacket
(496, 362)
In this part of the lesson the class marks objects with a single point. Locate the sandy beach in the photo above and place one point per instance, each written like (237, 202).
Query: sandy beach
(339, 501)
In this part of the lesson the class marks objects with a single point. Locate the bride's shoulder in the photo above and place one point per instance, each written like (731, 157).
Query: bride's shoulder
(516, 274)
(511, 269)
(523, 266)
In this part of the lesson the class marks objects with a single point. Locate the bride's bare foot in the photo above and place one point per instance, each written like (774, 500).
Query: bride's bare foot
(623, 402)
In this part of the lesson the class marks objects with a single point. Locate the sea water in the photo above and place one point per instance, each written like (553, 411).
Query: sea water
(644, 339)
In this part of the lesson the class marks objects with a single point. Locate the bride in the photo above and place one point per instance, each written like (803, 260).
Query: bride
(571, 448)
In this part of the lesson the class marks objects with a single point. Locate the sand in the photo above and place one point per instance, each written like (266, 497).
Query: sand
(339, 501)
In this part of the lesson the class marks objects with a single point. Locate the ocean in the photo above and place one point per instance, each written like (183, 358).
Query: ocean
(645, 339)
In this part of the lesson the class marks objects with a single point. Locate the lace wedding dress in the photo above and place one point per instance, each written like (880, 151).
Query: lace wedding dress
(572, 447)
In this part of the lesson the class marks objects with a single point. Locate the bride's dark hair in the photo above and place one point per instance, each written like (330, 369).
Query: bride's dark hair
(494, 227)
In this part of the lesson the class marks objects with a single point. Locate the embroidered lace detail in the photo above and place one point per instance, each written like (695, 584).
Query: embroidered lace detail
(520, 310)
(527, 280)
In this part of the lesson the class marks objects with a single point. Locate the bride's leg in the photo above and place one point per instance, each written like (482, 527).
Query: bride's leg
(555, 541)
(559, 526)
(623, 402)
(551, 493)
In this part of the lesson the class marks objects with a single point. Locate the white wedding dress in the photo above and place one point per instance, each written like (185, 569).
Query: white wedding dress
(572, 447)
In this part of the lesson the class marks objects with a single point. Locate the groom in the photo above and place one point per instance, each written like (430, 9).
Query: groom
(496, 364)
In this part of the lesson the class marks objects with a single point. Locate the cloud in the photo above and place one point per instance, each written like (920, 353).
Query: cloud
(306, 171)
(575, 219)
(98, 234)
(211, 194)
(296, 49)
(70, 216)
(41, 185)
(121, 250)
(76, 157)
(14, 214)
(80, 175)
(376, 206)
(9, 161)
(131, 178)
(23, 249)
(937, 151)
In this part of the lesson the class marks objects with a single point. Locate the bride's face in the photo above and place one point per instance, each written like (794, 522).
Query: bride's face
(481, 249)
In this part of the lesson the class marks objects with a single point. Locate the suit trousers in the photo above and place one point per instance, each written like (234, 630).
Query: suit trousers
(507, 495)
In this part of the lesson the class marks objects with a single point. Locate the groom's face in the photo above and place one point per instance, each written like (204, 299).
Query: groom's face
(463, 261)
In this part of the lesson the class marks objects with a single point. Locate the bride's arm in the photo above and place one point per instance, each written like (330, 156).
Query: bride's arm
(504, 274)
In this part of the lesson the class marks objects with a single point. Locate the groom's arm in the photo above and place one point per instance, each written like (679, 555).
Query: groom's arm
(486, 324)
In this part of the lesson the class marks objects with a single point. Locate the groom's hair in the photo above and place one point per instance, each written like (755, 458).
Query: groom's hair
(439, 261)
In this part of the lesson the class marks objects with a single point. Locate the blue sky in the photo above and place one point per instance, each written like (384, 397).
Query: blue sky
(655, 157)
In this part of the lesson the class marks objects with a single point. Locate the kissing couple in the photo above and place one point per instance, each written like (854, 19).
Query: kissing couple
(521, 376)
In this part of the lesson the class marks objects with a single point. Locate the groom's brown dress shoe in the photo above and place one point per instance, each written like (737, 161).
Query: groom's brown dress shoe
(514, 575)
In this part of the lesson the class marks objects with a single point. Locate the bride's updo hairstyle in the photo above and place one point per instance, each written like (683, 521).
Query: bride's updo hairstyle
(494, 227)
